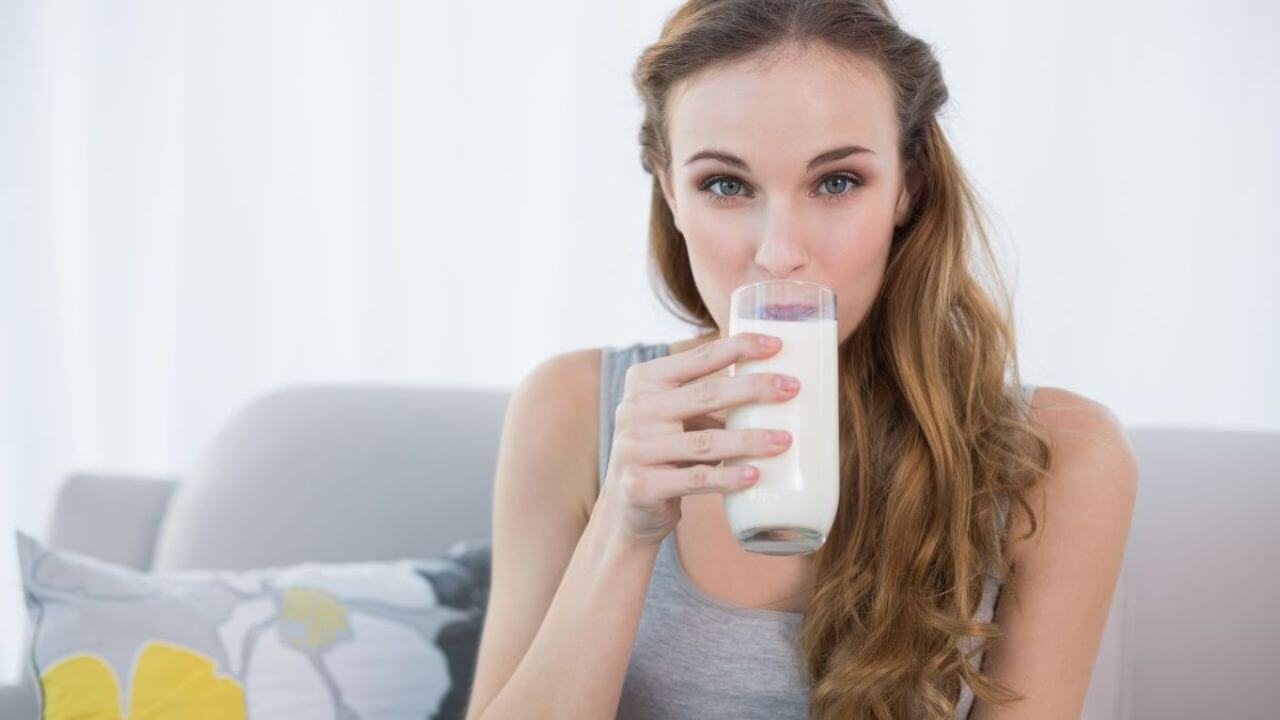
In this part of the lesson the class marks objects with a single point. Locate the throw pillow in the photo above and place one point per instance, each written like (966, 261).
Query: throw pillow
(394, 639)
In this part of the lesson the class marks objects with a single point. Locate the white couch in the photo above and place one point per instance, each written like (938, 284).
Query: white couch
(361, 473)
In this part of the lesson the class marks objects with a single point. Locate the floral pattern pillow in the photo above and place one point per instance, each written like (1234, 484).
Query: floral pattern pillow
(392, 639)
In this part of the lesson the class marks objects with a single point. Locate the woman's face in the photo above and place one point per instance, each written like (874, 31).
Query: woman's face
(787, 170)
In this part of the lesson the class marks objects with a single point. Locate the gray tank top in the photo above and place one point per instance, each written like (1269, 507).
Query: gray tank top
(696, 656)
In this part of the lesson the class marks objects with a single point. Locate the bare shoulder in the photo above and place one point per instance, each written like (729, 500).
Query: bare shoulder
(569, 379)
(1070, 416)
(1065, 574)
(544, 480)
(1093, 471)
(557, 408)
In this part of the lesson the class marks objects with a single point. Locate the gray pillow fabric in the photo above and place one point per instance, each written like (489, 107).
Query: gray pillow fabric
(391, 639)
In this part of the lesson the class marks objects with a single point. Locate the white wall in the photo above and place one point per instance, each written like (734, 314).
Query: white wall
(201, 201)
(1132, 153)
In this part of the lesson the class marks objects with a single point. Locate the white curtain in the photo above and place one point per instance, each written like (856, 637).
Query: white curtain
(201, 201)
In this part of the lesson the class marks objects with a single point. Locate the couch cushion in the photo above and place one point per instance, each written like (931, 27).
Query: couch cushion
(338, 474)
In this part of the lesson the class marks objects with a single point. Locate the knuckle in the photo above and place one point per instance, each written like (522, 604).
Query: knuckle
(700, 442)
(699, 477)
(634, 486)
(624, 446)
(633, 373)
(704, 391)
(623, 413)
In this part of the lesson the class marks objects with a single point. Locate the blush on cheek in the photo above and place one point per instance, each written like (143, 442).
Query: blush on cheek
(721, 248)
(714, 226)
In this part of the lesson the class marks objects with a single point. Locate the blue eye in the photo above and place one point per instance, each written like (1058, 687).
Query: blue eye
(837, 186)
(840, 186)
(840, 182)
(730, 187)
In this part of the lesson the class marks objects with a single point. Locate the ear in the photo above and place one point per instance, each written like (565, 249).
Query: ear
(910, 190)
(666, 194)
(666, 190)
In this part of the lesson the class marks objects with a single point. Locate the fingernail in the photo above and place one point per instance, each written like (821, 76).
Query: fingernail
(770, 341)
(788, 384)
(779, 436)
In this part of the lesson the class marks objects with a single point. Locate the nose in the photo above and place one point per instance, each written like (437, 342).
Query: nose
(783, 252)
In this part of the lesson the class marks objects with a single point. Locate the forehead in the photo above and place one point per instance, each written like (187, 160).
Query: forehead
(791, 101)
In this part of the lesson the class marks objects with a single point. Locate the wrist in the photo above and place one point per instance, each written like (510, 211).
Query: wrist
(618, 540)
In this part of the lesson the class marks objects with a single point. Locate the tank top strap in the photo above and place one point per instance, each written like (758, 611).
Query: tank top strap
(614, 362)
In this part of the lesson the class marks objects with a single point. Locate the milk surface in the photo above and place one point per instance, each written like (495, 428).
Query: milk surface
(799, 488)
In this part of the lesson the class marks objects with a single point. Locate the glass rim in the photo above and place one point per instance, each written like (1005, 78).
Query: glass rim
(784, 281)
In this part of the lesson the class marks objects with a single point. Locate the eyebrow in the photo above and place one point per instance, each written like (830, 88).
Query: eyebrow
(822, 159)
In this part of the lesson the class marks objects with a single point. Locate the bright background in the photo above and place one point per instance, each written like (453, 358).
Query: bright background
(201, 201)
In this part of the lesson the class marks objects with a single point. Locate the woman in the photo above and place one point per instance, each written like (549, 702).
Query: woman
(799, 139)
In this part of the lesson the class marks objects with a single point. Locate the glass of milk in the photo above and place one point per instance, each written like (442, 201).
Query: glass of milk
(789, 511)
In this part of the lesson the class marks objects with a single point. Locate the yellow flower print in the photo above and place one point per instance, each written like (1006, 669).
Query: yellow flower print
(312, 619)
(169, 682)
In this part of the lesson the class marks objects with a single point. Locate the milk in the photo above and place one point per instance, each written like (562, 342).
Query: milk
(791, 507)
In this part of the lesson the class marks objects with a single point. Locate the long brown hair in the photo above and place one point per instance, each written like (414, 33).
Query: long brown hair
(935, 444)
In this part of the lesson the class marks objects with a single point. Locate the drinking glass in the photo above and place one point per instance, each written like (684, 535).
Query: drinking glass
(790, 509)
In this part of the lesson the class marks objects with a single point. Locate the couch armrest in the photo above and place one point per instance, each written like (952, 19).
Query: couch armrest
(111, 517)
(18, 702)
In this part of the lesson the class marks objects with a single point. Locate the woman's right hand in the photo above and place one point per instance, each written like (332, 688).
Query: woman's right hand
(656, 459)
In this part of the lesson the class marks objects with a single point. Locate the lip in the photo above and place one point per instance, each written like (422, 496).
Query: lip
(788, 311)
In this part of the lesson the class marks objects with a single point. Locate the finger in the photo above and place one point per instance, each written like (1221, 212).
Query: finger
(711, 445)
(666, 483)
(712, 394)
(672, 371)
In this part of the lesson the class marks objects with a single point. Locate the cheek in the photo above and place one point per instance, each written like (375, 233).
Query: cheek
(715, 238)
(857, 289)
(859, 240)
(719, 258)
(712, 228)
(857, 265)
